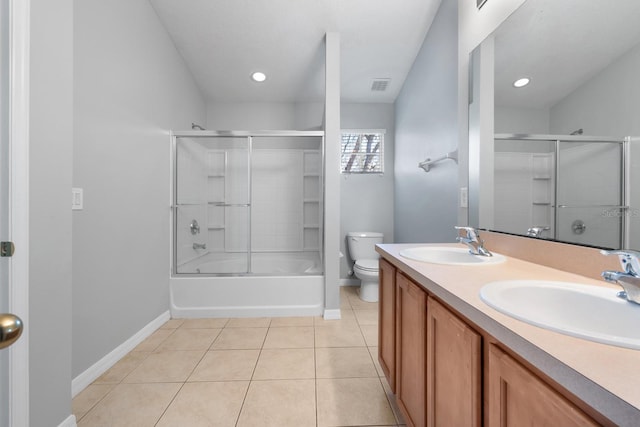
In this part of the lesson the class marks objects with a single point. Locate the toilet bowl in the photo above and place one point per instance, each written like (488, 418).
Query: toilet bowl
(362, 250)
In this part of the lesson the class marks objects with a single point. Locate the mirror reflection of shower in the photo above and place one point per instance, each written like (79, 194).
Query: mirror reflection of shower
(567, 188)
(258, 200)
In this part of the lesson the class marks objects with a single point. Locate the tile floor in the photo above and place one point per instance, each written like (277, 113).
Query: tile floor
(299, 371)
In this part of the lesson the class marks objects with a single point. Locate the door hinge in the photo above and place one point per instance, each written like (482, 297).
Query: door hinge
(7, 249)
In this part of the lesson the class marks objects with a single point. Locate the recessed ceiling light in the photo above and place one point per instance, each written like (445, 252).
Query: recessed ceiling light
(258, 77)
(521, 82)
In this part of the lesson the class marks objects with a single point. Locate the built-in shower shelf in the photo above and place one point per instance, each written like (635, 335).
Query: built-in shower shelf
(311, 174)
(541, 203)
(216, 175)
(541, 178)
(216, 227)
(311, 201)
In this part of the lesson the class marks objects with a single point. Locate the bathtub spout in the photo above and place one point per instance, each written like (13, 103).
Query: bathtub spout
(199, 246)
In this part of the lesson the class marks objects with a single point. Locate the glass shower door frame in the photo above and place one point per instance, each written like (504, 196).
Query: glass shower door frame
(249, 137)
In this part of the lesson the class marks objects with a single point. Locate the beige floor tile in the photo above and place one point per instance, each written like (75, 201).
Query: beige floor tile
(226, 365)
(370, 333)
(358, 304)
(353, 402)
(290, 337)
(374, 355)
(280, 364)
(206, 404)
(131, 405)
(279, 403)
(240, 339)
(154, 340)
(366, 317)
(344, 335)
(204, 323)
(122, 368)
(172, 324)
(277, 322)
(190, 339)
(88, 398)
(350, 362)
(166, 366)
(249, 322)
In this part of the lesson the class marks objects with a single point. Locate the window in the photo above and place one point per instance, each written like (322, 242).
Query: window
(362, 152)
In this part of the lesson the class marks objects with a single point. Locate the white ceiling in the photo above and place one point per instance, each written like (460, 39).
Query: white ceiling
(560, 45)
(224, 41)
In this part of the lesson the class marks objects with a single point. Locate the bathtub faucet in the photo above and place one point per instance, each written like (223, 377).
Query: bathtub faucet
(199, 246)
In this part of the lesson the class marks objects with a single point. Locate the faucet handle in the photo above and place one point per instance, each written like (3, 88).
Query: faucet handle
(629, 260)
(471, 232)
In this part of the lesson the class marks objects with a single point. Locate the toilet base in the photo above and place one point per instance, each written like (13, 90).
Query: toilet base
(369, 291)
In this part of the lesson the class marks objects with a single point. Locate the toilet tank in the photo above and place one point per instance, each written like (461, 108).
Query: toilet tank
(362, 244)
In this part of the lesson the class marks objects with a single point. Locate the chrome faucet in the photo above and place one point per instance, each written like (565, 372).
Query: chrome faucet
(473, 241)
(199, 246)
(536, 231)
(629, 279)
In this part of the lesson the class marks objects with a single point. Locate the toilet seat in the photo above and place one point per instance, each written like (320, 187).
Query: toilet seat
(368, 265)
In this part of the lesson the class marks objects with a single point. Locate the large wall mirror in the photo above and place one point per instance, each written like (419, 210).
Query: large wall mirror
(558, 158)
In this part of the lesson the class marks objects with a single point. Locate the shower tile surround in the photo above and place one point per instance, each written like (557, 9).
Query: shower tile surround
(295, 371)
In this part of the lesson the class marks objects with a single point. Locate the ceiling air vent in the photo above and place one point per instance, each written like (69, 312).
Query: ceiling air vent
(380, 85)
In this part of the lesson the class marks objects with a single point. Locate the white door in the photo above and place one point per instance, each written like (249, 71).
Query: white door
(13, 212)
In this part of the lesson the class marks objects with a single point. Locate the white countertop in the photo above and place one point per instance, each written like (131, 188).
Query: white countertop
(605, 377)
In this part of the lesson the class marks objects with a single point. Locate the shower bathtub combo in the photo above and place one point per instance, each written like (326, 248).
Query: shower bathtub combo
(247, 224)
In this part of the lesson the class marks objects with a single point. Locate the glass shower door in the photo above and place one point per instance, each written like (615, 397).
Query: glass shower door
(589, 192)
(212, 203)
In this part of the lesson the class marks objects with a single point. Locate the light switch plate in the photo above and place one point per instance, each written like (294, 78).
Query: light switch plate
(77, 199)
(464, 197)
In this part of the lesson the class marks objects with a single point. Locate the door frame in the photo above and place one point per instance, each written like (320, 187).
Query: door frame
(19, 17)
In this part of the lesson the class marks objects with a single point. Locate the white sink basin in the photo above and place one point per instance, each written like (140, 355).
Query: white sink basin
(591, 312)
(449, 255)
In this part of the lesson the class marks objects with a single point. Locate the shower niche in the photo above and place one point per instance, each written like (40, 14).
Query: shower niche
(258, 198)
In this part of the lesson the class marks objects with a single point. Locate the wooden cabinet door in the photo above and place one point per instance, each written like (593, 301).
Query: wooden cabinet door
(453, 369)
(411, 343)
(517, 397)
(387, 322)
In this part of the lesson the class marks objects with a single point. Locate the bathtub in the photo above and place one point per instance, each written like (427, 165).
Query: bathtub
(281, 284)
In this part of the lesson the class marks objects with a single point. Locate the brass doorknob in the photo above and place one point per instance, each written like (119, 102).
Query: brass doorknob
(10, 329)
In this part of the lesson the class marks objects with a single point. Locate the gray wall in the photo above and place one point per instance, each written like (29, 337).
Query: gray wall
(427, 126)
(51, 135)
(131, 89)
(366, 201)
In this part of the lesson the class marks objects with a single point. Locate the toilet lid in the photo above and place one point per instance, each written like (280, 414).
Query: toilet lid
(367, 264)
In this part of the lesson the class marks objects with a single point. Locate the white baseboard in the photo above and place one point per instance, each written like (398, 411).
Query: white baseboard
(333, 314)
(69, 422)
(349, 282)
(80, 382)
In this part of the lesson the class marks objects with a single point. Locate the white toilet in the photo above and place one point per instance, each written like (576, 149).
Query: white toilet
(362, 249)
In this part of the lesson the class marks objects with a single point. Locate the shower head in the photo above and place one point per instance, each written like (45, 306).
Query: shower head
(577, 132)
(195, 126)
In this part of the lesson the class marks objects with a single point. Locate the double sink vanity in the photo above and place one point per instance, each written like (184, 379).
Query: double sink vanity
(497, 340)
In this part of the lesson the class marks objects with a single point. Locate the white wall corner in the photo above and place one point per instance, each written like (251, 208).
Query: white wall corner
(80, 382)
(70, 421)
(333, 314)
(332, 171)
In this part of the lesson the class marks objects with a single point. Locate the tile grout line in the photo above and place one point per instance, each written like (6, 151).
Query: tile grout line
(189, 375)
(246, 393)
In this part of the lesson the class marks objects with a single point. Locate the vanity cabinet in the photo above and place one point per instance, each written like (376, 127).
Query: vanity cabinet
(516, 395)
(454, 369)
(387, 322)
(411, 348)
(445, 372)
